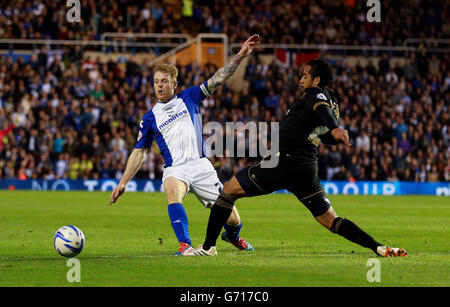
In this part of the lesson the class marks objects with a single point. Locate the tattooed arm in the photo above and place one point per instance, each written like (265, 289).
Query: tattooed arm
(224, 73)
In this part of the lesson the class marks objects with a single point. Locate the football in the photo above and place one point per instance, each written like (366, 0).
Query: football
(68, 241)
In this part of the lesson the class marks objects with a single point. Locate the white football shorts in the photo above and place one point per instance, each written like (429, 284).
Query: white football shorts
(200, 177)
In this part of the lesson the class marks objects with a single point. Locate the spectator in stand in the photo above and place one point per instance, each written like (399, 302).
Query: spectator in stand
(4, 132)
(85, 106)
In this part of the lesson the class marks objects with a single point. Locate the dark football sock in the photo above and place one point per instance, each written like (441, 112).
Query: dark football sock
(219, 215)
(353, 233)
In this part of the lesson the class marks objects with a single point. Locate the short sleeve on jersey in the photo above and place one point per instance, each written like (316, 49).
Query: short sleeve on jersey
(145, 134)
(194, 95)
(313, 96)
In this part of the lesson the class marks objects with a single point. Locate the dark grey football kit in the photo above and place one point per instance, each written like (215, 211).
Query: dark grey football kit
(309, 121)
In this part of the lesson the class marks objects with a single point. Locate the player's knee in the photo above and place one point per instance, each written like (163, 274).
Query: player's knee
(173, 194)
(175, 190)
(318, 205)
(233, 188)
(228, 188)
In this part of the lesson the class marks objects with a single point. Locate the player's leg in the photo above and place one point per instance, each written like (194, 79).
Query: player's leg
(323, 212)
(219, 215)
(233, 225)
(232, 233)
(349, 230)
(250, 181)
(309, 191)
(176, 190)
(233, 188)
(327, 219)
(206, 187)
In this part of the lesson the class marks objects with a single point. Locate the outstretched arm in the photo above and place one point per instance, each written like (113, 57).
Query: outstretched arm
(224, 73)
(134, 163)
(325, 113)
(328, 138)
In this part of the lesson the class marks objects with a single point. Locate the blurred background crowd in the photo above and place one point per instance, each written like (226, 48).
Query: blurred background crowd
(295, 21)
(68, 116)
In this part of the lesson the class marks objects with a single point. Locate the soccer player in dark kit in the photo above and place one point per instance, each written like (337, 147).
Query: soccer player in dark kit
(310, 120)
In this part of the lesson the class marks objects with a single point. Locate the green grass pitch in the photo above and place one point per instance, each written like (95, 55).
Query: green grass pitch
(131, 243)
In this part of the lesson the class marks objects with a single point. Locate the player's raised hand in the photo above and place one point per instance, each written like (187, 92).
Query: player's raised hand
(118, 190)
(341, 135)
(249, 45)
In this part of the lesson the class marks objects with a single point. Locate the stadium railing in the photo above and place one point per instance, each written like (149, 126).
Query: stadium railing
(427, 41)
(111, 42)
(130, 40)
(170, 56)
(362, 48)
(121, 37)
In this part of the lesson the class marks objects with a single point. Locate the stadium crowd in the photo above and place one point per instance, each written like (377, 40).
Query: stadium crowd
(73, 117)
(81, 121)
(295, 21)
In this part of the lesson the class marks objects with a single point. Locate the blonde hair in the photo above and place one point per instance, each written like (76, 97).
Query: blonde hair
(167, 68)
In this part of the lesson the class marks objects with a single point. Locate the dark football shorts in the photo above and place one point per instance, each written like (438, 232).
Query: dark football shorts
(301, 179)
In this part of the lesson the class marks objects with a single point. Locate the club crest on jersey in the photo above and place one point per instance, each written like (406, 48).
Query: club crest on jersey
(169, 110)
(321, 96)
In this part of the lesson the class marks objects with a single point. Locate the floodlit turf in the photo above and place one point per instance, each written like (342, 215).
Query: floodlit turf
(131, 243)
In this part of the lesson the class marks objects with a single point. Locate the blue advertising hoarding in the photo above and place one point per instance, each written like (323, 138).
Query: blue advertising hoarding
(331, 187)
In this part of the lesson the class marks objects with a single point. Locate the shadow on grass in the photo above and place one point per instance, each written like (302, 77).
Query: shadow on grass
(81, 257)
(260, 252)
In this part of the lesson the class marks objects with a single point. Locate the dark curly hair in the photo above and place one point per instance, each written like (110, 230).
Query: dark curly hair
(322, 69)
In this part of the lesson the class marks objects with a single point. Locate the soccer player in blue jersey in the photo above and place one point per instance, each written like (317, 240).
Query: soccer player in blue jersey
(176, 125)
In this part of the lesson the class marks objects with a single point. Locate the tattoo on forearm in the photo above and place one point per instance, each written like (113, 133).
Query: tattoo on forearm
(224, 73)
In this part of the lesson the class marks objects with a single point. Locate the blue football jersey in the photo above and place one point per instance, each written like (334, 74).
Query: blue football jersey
(176, 126)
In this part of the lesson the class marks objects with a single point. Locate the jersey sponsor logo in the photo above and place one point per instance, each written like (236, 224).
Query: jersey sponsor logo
(173, 118)
(321, 96)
